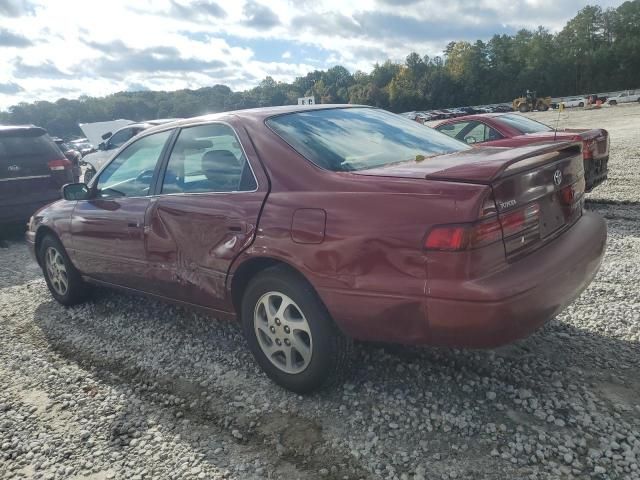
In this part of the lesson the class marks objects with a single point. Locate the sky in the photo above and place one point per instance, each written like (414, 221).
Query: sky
(69, 48)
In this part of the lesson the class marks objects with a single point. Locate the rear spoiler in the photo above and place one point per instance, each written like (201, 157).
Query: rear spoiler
(485, 165)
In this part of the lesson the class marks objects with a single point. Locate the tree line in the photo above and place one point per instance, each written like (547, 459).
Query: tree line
(597, 50)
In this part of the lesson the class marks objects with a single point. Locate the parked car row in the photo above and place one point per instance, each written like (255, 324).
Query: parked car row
(316, 225)
(72, 153)
(569, 102)
(445, 113)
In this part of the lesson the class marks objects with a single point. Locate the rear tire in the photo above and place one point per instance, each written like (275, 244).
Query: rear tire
(64, 281)
(291, 334)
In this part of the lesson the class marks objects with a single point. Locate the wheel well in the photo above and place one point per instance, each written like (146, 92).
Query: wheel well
(250, 269)
(40, 234)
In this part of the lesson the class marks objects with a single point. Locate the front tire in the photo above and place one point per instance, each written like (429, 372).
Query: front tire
(64, 281)
(290, 332)
(613, 102)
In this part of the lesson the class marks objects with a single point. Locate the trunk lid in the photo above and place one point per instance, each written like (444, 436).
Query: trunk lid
(482, 165)
(538, 190)
(554, 189)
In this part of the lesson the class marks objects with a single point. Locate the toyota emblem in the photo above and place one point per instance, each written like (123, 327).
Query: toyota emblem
(13, 168)
(557, 177)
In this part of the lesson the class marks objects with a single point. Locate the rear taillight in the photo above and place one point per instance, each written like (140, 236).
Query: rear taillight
(588, 147)
(59, 165)
(450, 238)
(453, 238)
(463, 237)
(568, 195)
(517, 221)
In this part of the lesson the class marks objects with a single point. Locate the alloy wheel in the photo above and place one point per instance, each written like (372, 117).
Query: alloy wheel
(283, 332)
(56, 271)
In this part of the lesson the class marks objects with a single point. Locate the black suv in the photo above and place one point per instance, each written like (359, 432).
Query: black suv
(32, 172)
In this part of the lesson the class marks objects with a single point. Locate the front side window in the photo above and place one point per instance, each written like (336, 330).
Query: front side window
(349, 139)
(208, 158)
(131, 172)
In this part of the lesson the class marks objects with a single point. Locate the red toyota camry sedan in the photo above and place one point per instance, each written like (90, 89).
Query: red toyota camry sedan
(513, 130)
(322, 224)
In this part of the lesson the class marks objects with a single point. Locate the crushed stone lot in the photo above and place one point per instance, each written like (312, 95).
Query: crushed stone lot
(128, 387)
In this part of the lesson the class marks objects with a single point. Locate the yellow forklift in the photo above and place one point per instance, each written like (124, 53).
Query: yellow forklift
(530, 101)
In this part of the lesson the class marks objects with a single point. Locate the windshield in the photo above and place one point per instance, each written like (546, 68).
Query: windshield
(348, 139)
(524, 124)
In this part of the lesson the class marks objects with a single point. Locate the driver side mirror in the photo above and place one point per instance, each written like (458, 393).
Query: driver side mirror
(102, 146)
(76, 191)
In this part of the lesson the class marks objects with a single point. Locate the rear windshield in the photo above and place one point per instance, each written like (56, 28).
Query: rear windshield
(28, 144)
(349, 139)
(524, 124)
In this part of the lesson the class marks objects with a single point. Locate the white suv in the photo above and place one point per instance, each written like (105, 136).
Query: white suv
(575, 102)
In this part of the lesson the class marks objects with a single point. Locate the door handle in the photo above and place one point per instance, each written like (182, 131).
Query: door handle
(134, 224)
(237, 227)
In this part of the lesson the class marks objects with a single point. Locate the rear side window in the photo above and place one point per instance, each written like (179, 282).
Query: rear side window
(452, 129)
(28, 144)
(524, 124)
(208, 158)
(349, 139)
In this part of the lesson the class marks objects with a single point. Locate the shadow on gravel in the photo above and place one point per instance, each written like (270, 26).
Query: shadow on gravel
(11, 233)
(205, 375)
(194, 376)
(16, 265)
(602, 201)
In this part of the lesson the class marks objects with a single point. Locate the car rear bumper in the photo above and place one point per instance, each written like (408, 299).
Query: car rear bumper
(520, 298)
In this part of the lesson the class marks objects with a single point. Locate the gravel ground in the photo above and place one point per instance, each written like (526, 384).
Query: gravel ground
(127, 387)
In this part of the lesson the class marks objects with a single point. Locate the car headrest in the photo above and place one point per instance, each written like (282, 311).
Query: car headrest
(220, 165)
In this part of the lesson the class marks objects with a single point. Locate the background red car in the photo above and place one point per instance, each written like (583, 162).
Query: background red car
(513, 130)
(316, 225)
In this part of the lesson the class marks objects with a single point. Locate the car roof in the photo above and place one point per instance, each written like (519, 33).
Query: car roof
(160, 121)
(480, 116)
(261, 113)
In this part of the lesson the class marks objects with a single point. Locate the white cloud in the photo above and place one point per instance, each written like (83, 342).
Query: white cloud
(172, 44)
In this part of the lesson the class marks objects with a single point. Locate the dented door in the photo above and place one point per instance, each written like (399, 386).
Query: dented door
(193, 239)
(205, 214)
